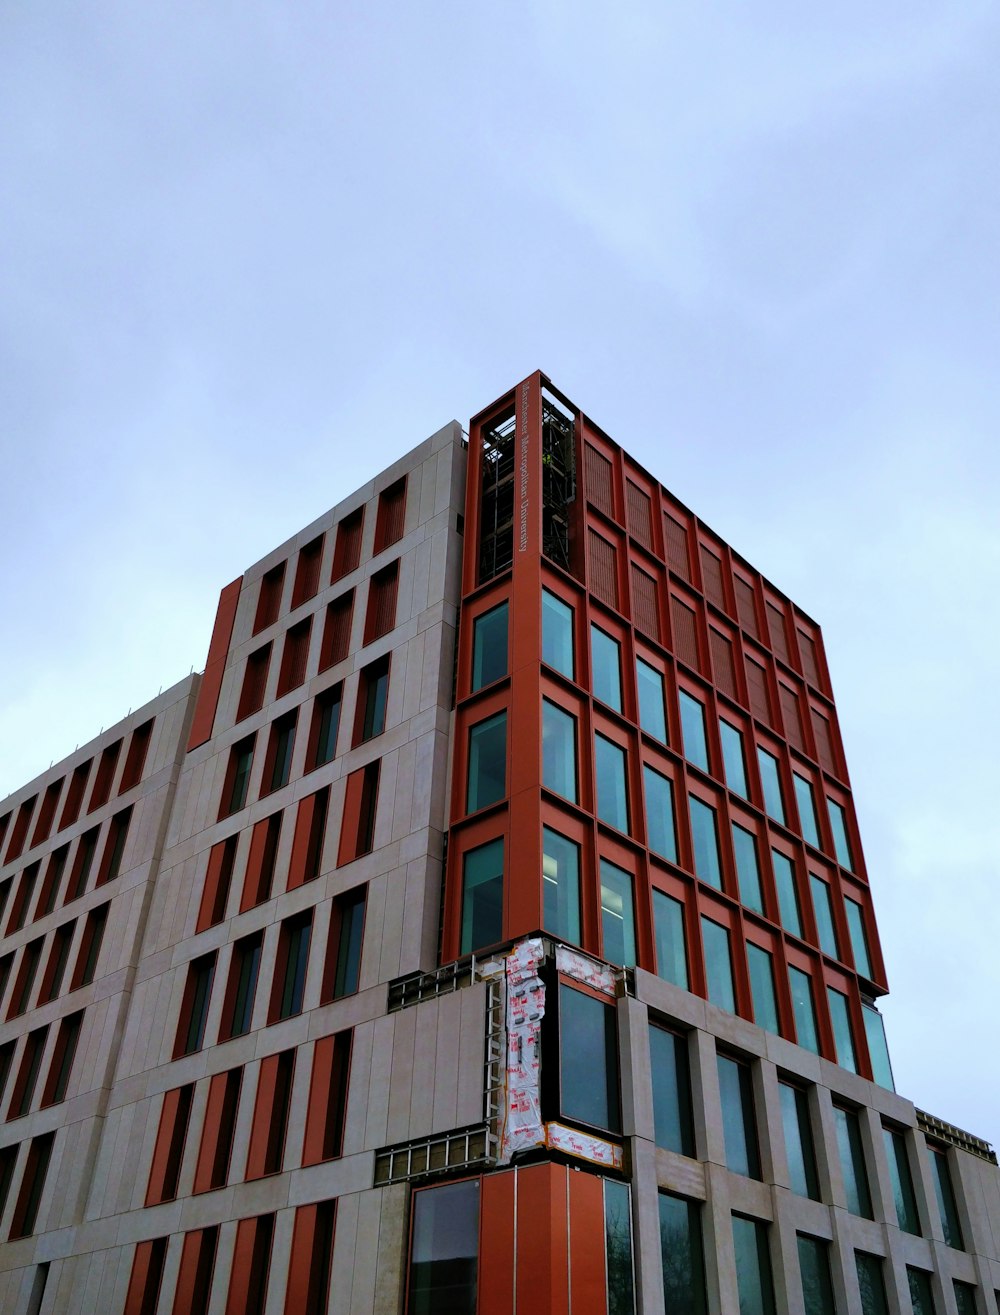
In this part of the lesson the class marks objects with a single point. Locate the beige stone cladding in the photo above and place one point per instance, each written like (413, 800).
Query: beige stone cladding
(75, 901)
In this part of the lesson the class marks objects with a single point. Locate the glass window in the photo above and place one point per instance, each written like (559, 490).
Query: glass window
(946, 1198)
(557, 634)
(965, 1298)
(683, 1255)
(747, 868)
(871, 1284)
(878, 1051)
(559, 750)
(618, 1248)
(660, 829)
(738, 1121)
(243, 983)
(921, 1293)
(482, 896)
(489, 647)
(588, 1060)
(326, 719)
(823, 909)
(732, 758)
(295, 936)
(706, 842)
(859, 940)
(444, 1253)
(373, 693)
(668, 924)
(561, 886)
(771, 784)
(843, 1038)
(765, 1007)
(799, 1146)
(803, 1008)
(838, 824)
(718, 965)
(487, 762)
(753, 1266)
(852, 1162)
(814, 1268)
(693, 731)
(788, 898)
(902, 1181)
(807, 809)
(607, 668)
(672, 1120)
(652, 717)
(612, 792)
(617, 915)
(347, 922)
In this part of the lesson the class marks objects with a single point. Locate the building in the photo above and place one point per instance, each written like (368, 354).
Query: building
(486, 930)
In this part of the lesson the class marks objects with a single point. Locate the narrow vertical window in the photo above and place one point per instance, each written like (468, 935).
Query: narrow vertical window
(218, 879)
(254, 683)
(82, 865)
(324, 727)
(373, 696)
(104, 776)
(244, 968)
(90, 947)
(251, 1266)
(336, 642)
(19, 831)
(327, 1108)
(617, 915)
(788, 897)
(878, 1051)
(307, 572)
(610, 768)
(61, 1064)
(557, 634)
(803, 1008)
(693, 731)
(308, 1291)
(965, 1297)
(489, 646)
(47, 812)
(733, 760)
(753, 1267)
(739, 1121)
(807, 809)
(487, 781)
(19, 908)
(168, 1152)
(852, 1161)
(705, 838)
(444, 1249)
(27, 1076)
(605, 655)
(718, 965)
(147, 1275)
(266, 1152)
(770, 782)
(901, 1178)
(482, 897)
(747, 868)
(290, 966)
(36, 1168)
(838, 825)
(921, 1292)
(54, 871)
(347, 550)
(672, 1116)
(357, 828)
(390, 516)
(194, 1280)
(135, 759)
(683, 1256)
(269, 598)
(765, 1005)
(74, 794)
(823, 908)
(560, 886)
(194, 1005)
(20, 996)
(114, 846)
(8, 1161)
(618, 1248)
(234, 790)
(843, 1038)
(661, 832)
(382, 590)
(800, 1148)
(588, 1060)
(294, 657)
(55, 968)
(652, 715)
(671, 951)
(212, 1169)
(343, 947)
(859, 938)
(945, 1193)
(278, 759)
(306, 861)
(871, 1284)
(261, 862)
(559, 751)
(814, 1268)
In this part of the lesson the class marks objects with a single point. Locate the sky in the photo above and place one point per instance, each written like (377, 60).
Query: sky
(252, 253)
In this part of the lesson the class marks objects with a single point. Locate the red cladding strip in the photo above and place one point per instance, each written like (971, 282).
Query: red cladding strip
(300, 1264)
(542, 1241)
(586, 1262)
(211, 681)
(496, 1246)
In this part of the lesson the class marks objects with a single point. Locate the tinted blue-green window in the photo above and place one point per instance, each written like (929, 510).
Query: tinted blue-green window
(965, 1298)
(607, 671)
(770, 782)
(672, 1121)
(612, 791)
(946, 1198)
(618, 1248)
(921, 1293)
(482, 896)
(843, 1037)
(902, 1181)
(739, 1123)
(753, 1266)
(683, 1256)
(489, 647)
(814, 1269)
(706, 842)
(878, 1051)
(765, 1007)
(871, 1284)
(671, 952)
(732, 758)
(557, 634)
(660, 814)
(693, 731)
(838, 824)
(487, 762)
(852, 1162)
(788, 899)
(561, 886)
(718, 965)
(444, 1254)
(823, 908)
(800, 984)
(859, 940)
(747, 868)
(617, 915)
(652, 717)
(807, 809)
(588, 1060)
(559, 750)
(800, 1150)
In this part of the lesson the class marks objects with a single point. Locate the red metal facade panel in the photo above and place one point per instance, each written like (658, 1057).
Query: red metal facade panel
(542, 1281)
(588, 1282)
(498, 1196)
(211, 681)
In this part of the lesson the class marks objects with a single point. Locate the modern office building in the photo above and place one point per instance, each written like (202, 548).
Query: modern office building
(486, 931)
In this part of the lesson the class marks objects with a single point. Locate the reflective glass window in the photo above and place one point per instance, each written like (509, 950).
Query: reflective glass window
(444, 1254)
(668, 925)
(617, 915)
(814, 1269)
(672, 1121)
(683, 1255)
(612, 791)
(852, 1162)
(732, 758)
(803, 1008)
(660, 829)
(859, 940)
(693, 731)
(561, 886)
(838, 824)
(770, 782)
(747, 868)
(487, 762)
(718, 965)
(807, 809)
(588, 1060)
(557, 634)
(945, 1193)
(823, 908)
(871, 1284)
(843, 1037)
(788, 898)
(605, 656)
(738, 1120)
(800, 1149)
(753, 1266)
(652, 717)
(618, 1248)
(921, 1292)
(482, 896)
(706, 842)
(902, 1181)
(559, 750)
(765, 1006)
(878, 1051)
(965, 1297)
(489, 646)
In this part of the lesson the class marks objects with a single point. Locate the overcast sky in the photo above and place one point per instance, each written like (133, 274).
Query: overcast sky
(253, 252)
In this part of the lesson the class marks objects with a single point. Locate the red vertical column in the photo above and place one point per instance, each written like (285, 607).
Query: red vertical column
(542, 1239)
